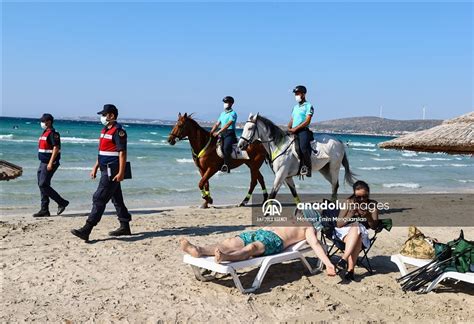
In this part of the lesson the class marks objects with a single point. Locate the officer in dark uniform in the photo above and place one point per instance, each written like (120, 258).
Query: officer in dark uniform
(49, 154)
(227, 121)
(112, 156)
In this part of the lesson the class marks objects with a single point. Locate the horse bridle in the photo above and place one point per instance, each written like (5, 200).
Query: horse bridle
(180, 131)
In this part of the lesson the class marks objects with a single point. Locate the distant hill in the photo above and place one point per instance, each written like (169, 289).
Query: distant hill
(373, 125)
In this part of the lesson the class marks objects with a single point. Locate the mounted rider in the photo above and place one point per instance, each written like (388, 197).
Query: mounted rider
(226, 122)
(299, 125)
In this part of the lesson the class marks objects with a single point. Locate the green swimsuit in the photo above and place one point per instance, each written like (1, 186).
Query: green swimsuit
(272, 242)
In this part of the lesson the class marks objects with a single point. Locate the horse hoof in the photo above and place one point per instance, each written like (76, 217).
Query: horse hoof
(210, 201)
(204, 205)
(243, 203)
(265, 197)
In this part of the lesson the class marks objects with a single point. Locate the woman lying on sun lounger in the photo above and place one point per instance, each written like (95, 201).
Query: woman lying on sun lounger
(353, 233)
(265, 241)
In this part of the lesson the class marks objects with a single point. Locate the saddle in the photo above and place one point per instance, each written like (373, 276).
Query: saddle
(237, 154)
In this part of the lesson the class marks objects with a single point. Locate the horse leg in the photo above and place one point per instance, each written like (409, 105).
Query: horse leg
(204, 187)
(279, 177)
(261, 180)
(291, 184)
(253, 183)
(331, 174)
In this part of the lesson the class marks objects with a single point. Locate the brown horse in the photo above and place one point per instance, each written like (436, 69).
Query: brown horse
(203, 147)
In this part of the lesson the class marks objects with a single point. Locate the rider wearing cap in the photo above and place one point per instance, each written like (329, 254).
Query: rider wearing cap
(226, 122)
(300, 119)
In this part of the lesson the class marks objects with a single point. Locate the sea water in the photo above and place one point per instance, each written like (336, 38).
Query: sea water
(165, 175)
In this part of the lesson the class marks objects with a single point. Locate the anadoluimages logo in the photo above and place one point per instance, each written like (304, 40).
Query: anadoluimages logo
(271, 207)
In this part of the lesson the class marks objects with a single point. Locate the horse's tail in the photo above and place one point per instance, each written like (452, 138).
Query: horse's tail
(349, 176)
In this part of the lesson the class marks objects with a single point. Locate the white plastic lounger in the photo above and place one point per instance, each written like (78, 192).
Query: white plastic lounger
(401, 260)
(293, 252)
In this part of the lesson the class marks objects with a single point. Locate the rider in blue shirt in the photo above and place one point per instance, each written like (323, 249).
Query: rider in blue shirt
(226, 122)
(300, 119)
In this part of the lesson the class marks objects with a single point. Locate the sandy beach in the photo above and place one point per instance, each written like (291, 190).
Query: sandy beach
(49, 275)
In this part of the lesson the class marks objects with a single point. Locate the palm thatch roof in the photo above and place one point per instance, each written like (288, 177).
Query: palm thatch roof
(9, 170)
(453, 136)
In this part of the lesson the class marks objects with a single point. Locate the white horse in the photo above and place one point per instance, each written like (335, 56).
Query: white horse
(284, 160)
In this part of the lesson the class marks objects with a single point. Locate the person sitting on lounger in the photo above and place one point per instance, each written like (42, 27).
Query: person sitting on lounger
(264, 241)
(354, 233)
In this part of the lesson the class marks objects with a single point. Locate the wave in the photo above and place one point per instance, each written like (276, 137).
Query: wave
(78, 140)
(390, 167)
(383, 159)
(467, 181)
(153, 133)
(360, 144)
(19, 140)
(421, 165)
(6, 136)
(146, 140)
(363, 149)
(184, 160)
(76, 168)
(459, 165)
(409, 153)
(410, 185)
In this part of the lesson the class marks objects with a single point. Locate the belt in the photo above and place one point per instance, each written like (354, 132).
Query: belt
(108, 153)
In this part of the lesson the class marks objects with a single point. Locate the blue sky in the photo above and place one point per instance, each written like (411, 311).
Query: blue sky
(155, 59)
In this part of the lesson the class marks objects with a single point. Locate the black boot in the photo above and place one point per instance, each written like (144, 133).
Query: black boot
(61, 208)
(42, 213)
(83, 232)
(124, 229)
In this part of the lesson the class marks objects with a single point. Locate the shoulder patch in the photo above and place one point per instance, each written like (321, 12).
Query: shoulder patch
(121, 133)
(56, 135)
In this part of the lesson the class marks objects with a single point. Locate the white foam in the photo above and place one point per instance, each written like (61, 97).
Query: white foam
(153, 133)
(184, 160)
(76, 168)
(409, 153)
(6, 136)
(363, 149)
(390, 167)
(146, 140)
(78, 140)
(459, 165)
(421, 165)
(410, 185)
(383, 159)
(361, 144)
(466, 181)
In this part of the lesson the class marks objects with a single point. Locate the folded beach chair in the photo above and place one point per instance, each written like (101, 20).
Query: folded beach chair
(401, 260)
(328, 233)
(207, 264)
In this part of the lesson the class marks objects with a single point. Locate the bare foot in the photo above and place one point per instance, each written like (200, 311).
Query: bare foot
(189, 248)
(219, 256)
(331, 270)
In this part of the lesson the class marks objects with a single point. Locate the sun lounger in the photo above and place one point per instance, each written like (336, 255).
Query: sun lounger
(294, 252)
(401, 260)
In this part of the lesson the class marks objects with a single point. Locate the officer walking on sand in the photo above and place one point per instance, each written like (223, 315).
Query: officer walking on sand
(49, 154)
(111, 161)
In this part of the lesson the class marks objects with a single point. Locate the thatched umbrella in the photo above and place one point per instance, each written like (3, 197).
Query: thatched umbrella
(453, 136)
(9, 170)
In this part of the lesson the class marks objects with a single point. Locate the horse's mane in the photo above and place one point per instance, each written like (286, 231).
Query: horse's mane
(275, 132)
(196, 124)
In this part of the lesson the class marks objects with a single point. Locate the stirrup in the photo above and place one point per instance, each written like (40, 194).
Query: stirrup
(225, 168)
(304, 170)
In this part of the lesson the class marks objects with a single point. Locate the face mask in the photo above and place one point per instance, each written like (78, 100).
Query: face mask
(103, 120)
(298, 98)
(43, 125)
(226, 106)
